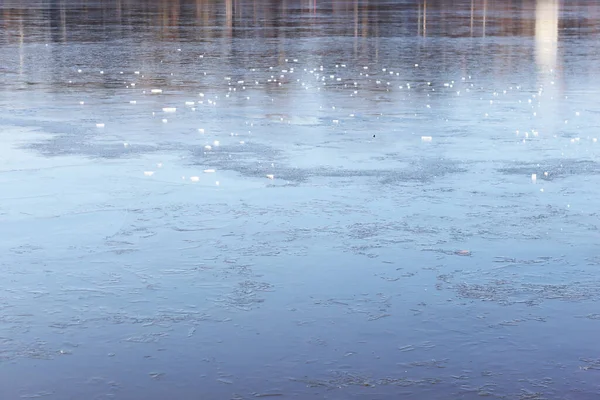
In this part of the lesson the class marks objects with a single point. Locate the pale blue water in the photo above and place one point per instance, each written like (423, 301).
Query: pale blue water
(363, 225)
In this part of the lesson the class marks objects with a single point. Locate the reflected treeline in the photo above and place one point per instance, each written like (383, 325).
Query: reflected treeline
(203, 19)
(238, 34)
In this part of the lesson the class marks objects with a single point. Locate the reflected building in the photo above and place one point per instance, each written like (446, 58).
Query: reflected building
(546, 34)
(547, 15)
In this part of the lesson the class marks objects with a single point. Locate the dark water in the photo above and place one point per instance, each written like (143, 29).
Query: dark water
(342, 205)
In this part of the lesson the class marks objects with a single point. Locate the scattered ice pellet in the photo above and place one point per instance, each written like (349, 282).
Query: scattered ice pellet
(270, 176)
(217, 183)
(208, 147)
(189, 103)
(546, 173)
(102, 72)
(159, 165)
(594, 140)
(79, 71)
(156, 91)
(82, 102)
(169, 109)
(201, 130)
(194, 178)
(132, 102)
(148, 173)
(125, 144)
(209, 171)
(242, 142)
(137, 72)
(426, 138)
(216, 142)
(336, 121)
(99, 125)
(165, 120)
(534, 177)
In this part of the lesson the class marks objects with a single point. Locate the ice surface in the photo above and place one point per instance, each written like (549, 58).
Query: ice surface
(297, 231)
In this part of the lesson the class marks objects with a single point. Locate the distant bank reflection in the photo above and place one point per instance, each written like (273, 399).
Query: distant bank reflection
(296, 18)
(243, 32)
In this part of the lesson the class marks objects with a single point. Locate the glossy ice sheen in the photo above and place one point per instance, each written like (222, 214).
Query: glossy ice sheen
(301, 199)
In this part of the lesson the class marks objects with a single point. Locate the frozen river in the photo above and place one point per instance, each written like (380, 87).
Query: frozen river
(301, 199)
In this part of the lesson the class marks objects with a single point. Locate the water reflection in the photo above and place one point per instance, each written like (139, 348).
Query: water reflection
(205, 21)
(546, 34)
(208, 22)
(464, 18)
